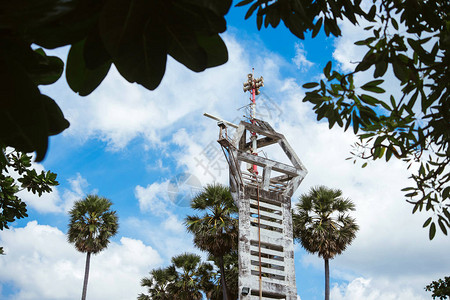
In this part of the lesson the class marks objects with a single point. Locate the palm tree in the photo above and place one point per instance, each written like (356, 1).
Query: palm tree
(323, 226)
(192, 275)
(185, 279)
(159, 284)
(91, 225)
(216, 230)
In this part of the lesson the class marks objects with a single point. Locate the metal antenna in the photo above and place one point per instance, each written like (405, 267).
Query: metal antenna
(252, 85)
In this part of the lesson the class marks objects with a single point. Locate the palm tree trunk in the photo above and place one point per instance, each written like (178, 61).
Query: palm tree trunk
(327, 279)
(222, 275)
(86, 275)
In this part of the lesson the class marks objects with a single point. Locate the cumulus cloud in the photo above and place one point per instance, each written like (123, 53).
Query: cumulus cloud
(369, 289)
(300, 60)
(78, 189)
(161, 198)
(168, 236)
(42, 265)
(153, 198)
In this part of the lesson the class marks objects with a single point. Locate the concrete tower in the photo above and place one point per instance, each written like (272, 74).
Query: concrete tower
(262, 189)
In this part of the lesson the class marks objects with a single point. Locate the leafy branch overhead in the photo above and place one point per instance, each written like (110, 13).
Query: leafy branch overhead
(17, 174)
(415, 127)
(413, 39)
(440, 289)
(134, 35)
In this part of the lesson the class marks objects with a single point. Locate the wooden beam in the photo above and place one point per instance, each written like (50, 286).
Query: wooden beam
(266, 178)
(281, 178)
(238, 134)
(291, 154)
(259, 130)
(266, 141)
(263, 162)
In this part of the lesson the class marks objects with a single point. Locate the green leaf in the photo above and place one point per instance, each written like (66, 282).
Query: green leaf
(442, 226)
(388, 154)
(373, 83)
(400, 70)
(446, 192)
(220, 7)
(94, 52)
(259, 21)
(137, 40)
(70, 25)
(394, 23)
(380, 68)
(327, 69)
(81, 79)
(310, 85)
(45, 69)
(317, 27)
(55, 117)
(392, 99)
(356, 122)
(446, 213)
(432, 231)
(186, 49)
(372, 12)
(369, 99)
(215, 48)
(244, 2)
(373, 89)
(427, 222)
(251, 10)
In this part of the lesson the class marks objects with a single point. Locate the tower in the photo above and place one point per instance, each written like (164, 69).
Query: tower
(262, 189)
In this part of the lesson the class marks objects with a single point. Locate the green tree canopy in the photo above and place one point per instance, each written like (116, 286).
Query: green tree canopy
(17, 174)
(158, 284)
(187, 278)
(92, 224)
(216, 230)
(323, 226)
(440, 289)
(411, 39)
(134, 35)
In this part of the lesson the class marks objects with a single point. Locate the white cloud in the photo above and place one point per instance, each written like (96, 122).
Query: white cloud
(161, 199)
(300, 60)
(173, 224)
(168, 239)
(369, 289)
(43, 265)
(154, 198)
(77, 191)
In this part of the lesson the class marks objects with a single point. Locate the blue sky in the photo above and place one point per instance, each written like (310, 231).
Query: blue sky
(136, 147)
